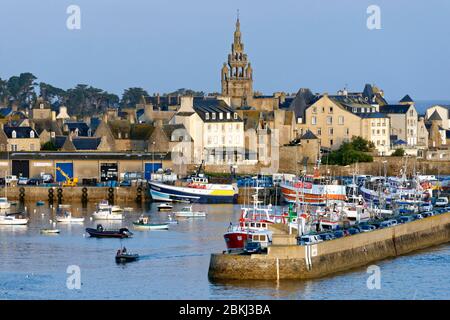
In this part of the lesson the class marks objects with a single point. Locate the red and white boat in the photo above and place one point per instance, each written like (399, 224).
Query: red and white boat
(253, 226)
(314, 190)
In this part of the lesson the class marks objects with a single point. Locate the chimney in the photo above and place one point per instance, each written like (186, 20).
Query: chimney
(105, 117)
(158, 123)
(53, 115)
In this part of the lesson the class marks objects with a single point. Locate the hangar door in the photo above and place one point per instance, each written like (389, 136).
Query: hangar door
(150, 168)
(21, 168)
(67, 167)
(109, 172)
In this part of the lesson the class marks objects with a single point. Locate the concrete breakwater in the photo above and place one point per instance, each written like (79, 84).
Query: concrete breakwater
(286, 260)
(75, 194)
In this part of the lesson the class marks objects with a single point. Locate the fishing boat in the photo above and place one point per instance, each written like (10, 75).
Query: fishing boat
(4, 203)
(144, 223)
(165, 207)
(100, 232)
(198, 189)
(122, 256)
(315, 189)
(107, 214)
(104, 205)
(187, 212)
(50, 231)
(13, 219)
(68, 218)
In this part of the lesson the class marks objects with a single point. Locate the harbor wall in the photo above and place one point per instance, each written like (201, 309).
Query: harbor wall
(75, 194)
(306, 262)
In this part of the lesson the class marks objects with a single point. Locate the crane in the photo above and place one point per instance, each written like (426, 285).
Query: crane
(70, 182)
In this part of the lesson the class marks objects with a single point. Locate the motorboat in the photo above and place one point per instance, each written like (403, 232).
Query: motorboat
(107, 214)
(4, 203)
(165, 207)
(13, 219)
(441, 202)
(187, 212)
(104, 205)
(100, 232)
(122, 256)
(67, 218)
(144, 223)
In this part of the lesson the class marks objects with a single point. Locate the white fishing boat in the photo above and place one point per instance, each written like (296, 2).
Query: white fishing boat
(187, 212)
(4, 203)
(13, 220)
(67, 218)
(104, 205)
(143, 223)
(107, 214)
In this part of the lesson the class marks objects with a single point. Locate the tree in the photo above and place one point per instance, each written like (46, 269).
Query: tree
(22, 89)
(49, 146)
(87, 100)
(350, 152)
(4, 92)
(400, 152)
(51, 93)
(132, 96)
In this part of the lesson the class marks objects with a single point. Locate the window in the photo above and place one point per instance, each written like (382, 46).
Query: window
(209, 140)
(341, 120)
(235, 116)
(331, 142)
(207, 116)
(221, 116)
(14, 147)
(41, 106)
(319, 131)
(347, 131)
(331, 109)
(223, 128)
(313, 120)
(31, 134)
(314, 110)
(329, 120)
(208, 127)
(214, 116)
(14, 134)
(228, 115)
(330, 131)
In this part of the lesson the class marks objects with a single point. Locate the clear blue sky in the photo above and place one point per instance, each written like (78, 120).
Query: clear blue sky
(163, 45)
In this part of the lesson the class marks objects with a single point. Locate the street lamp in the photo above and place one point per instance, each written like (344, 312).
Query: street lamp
(153, 156)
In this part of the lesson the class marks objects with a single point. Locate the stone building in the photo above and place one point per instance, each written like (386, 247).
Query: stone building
(19, 139)
(237, 73)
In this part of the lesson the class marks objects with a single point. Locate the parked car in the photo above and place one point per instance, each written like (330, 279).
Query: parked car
(426, 207)
(427, 214)
(393, 222)
(47, 178)
(441, 202)
(125, 183)
(385, 224)
(309, 239)
(417, 216)
(326, 236)
(339, 234)
(353, 230)
(367, 228)
(22, 181)
(35, 181)
(252, 247)
(405, 219)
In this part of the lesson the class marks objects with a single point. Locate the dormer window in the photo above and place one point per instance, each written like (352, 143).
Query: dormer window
(41, 106)
(14, 134)
(220, 115)
(235, 116)
(31, 134)
(214, 116)
(228, 115)
(207, 116)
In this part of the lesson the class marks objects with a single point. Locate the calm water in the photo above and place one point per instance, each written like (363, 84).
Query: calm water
(174, 264)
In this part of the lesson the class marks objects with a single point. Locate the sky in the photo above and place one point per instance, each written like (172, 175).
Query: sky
(163, 45)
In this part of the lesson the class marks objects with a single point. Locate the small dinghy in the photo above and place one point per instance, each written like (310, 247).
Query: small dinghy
(122, 256)
(67, 218)
(165, 207)
(100, 232)
(172, 220)
(49, 231)
(187, 212)
(144, 223)
(107, 214)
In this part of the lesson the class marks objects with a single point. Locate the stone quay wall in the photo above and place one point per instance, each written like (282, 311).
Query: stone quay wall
(286, 260)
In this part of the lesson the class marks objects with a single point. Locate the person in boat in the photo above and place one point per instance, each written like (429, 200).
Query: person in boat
(118, 253)
(99, 227)
(124, 250)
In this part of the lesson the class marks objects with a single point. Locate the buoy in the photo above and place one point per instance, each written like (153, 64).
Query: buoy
(90, 218)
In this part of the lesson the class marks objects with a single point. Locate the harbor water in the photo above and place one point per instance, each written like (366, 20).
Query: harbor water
(174, 263)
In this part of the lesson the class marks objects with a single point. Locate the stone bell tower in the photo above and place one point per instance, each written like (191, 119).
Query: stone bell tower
(237, 74)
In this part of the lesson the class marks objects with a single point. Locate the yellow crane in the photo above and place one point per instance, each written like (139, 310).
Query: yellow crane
(70, 182)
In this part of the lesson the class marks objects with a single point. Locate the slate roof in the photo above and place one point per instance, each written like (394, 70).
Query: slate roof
(435, 116)
(4, 112)
(308, 135)
(47, 124)
(80, 143)
(303, 99)
(406, 98)
(21, 132)
(83, 128)
(372, 115)
(204, 106)
(394, 108)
